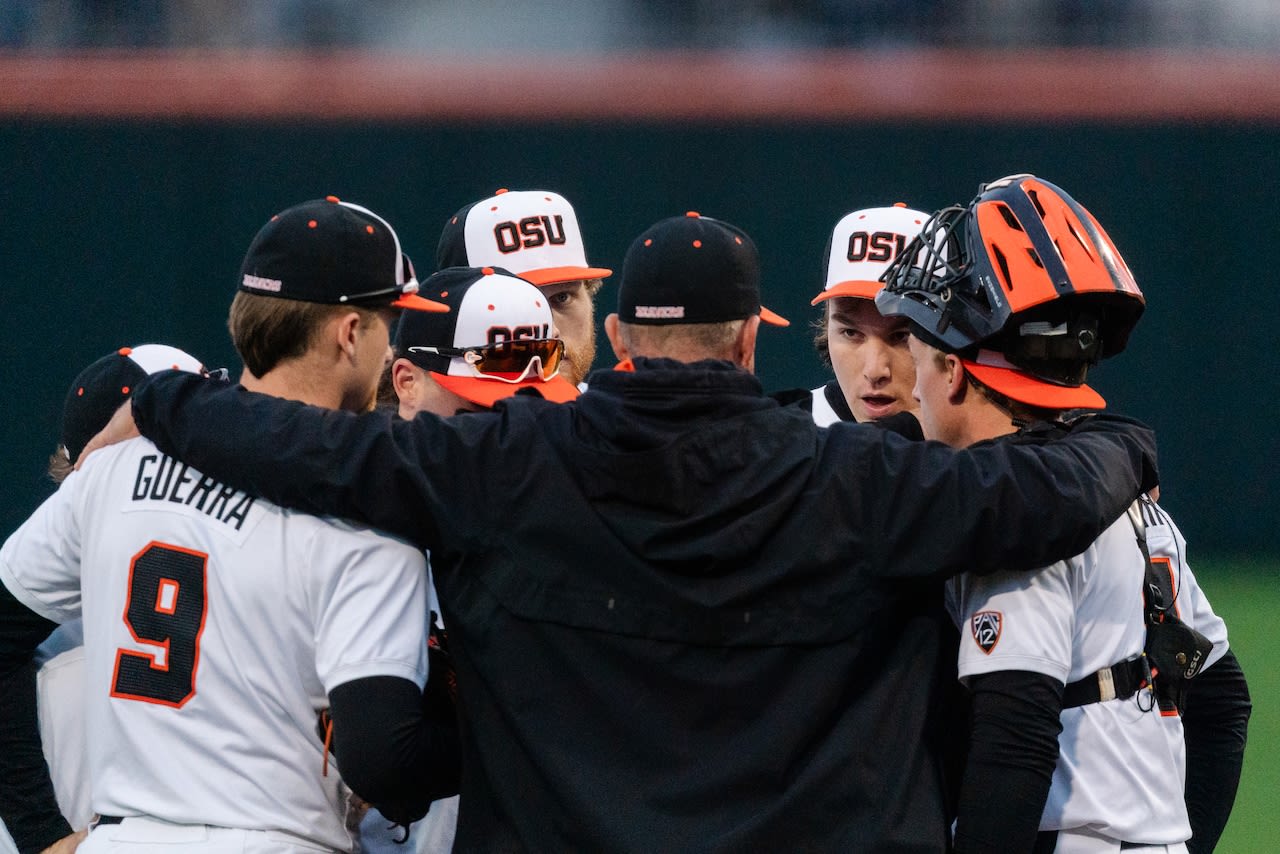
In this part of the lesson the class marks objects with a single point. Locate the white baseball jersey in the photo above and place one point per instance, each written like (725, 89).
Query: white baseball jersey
(823, 414)
(215, 626)
(60, 707)
(1120, 769)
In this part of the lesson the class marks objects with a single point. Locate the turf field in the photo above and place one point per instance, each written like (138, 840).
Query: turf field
(1247, 595)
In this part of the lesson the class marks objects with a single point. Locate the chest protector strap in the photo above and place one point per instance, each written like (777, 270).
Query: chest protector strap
(1173, 653)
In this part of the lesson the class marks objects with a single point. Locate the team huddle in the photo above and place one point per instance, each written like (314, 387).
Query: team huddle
(421, 566)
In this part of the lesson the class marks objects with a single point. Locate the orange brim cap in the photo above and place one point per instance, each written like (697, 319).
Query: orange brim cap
(557, 275)
(487, 392)
(773, 318)
(853, 288)
(1024, 388)
(417, 303)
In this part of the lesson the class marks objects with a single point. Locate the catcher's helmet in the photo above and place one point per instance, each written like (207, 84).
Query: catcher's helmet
(1027, 272)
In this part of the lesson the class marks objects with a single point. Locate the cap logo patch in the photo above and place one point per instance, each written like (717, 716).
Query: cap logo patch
(986, 627)
(258, 283)
(880, 246)
(660, 312)
(501, 334)
(529, 232)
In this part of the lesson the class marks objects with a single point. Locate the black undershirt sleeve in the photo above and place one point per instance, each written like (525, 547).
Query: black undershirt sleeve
(390, 750)
(1013, 749)
(27, 803)
(1215, 722)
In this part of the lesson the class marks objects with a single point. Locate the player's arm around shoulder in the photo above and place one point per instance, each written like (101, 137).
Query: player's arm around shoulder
(406, 477)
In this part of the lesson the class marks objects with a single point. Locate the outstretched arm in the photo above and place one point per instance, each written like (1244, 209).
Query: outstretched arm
(404, 477)
(1007, 504)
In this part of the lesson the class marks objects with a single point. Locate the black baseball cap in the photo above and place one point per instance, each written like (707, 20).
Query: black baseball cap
(692, 269)
(334, 252)
(97, 391)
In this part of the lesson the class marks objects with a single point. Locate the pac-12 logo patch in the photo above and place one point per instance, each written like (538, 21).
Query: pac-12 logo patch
(986, 629)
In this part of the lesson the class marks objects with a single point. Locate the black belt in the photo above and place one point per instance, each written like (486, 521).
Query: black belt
(1047, 842)
(1119, 681)
(110, 819)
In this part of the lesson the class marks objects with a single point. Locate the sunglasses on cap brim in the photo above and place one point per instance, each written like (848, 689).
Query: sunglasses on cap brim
(508, 361)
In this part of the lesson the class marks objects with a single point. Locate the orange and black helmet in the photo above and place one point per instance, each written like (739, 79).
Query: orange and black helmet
(1027, 272)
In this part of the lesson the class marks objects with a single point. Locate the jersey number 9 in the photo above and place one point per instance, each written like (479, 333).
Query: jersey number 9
(166, 610)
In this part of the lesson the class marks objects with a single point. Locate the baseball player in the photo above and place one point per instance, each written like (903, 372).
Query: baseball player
(445, 364)
(867, 351)
(535, 235)
(1003, 338)
(217, 625)
(95, 393)
(678, 610)
(498, 339)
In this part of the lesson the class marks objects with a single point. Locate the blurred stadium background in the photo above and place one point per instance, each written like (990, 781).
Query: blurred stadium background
(145, 141)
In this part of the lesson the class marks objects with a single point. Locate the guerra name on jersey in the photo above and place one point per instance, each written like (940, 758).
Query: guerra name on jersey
(162, 478)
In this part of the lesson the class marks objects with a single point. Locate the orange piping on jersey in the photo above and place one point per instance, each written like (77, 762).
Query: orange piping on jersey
(328, 741)
(1173, 581)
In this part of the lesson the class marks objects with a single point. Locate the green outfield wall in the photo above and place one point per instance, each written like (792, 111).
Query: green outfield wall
(118, 233)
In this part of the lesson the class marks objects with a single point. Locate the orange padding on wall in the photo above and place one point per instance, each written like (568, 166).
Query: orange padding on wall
(835, 86)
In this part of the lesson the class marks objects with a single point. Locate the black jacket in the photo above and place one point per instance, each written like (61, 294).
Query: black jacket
(684, 618)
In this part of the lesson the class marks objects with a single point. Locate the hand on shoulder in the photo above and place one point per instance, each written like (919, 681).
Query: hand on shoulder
(118, 429)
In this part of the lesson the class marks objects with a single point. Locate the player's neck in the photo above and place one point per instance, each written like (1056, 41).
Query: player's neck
(298, 380)
(984, 420)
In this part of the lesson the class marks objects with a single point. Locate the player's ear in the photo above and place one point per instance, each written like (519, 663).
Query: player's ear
(956, 382)
(620, 349)
(404, 380)
(345, 330)
(744, 347)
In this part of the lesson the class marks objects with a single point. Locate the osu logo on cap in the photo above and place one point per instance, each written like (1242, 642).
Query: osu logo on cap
(503, 334)
(529, 232)
(878, 246)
